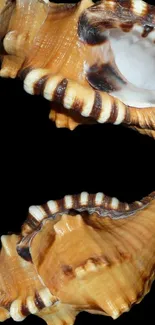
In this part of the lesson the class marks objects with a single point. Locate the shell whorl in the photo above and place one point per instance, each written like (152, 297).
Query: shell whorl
(76, 90)
(100, 106)
(89, 103)
(113, 233)
(100, 203)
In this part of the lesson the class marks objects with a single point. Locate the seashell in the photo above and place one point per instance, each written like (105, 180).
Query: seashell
(85, 252)
(86, 59)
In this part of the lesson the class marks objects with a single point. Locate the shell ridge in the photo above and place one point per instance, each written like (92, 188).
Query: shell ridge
(103, 208)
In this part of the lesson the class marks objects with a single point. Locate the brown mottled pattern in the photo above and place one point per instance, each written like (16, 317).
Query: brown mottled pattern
(32, 222)
(126, 27)
(125, 3)
(148, 198)
(38, 301)
(24, 310)
(91, 201)
(67, 270)
(46, 209)
(96, 109)
(89, 34)
(97, 260)
(107, 24)
(124, 12)
(127, 118)
(104, 77)
(114, 113)
(40, 85)
(61, 204)
(76, 201)
(22, 73)
(150, 15)
(121, 206)
(60, 91)
(24, 252)
(107, 202)
(147, 30)
(77, 105)
(135, 205)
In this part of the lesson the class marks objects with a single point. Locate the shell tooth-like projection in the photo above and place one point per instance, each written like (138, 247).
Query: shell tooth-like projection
(85, 252)
(95, 61)
(19, 298)
(67, 118)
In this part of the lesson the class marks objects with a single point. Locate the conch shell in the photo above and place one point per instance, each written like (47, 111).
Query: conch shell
(75, 56)
(85, 252)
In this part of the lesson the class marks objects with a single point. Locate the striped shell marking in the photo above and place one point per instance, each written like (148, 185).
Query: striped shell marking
(113, 233)
(60, 278)
(99, 203)
(57, 37)
(18, 299)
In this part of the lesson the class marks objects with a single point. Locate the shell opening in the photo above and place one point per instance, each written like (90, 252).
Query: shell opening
(124, 65)
(135, 58)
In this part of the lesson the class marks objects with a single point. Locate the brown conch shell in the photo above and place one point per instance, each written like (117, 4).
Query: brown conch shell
(95, 63)
(86, 252)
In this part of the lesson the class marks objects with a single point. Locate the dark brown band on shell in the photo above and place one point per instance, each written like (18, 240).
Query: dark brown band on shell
(40, 85)
(24, 252)
(126, 27)
(38, 301)
(147, 30)
(125, 3)
(67, 270)
(24, 310)
(114, 113)
(22, 73)
(120, 14)
(77, 105)
(91, 204)
(96, 109)
(85, 204)
(88, 33)
(60, 91)
(32, 222)
(150, 15)
(104, 77)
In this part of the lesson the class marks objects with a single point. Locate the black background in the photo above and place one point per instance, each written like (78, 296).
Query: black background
(40, 162)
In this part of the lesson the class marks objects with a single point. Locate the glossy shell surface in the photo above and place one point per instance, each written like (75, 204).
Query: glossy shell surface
(86, 252)
(87, 59)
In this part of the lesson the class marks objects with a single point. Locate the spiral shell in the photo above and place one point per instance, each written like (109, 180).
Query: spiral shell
(70, 54)
(85, 252)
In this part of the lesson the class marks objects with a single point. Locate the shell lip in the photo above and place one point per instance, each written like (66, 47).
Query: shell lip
(122, 211)
(89, 34)
(91, 31)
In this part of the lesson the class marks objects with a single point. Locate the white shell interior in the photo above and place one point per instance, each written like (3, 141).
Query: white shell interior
(135, 59)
